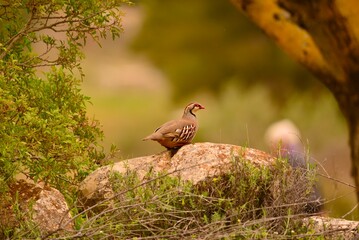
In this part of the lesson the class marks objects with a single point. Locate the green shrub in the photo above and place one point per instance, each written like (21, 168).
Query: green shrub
(246, 203)
(44, 130)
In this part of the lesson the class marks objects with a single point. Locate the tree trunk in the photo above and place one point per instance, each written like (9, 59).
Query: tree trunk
(353, 124)
(322, 35)
(354, 145)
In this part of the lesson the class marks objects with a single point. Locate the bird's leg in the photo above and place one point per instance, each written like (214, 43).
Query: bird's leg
(173, 151)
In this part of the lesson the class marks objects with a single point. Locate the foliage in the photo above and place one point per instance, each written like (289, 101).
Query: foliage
(237, 205)
(45, 132)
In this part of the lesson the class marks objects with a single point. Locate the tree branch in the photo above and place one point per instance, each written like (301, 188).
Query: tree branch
(322, 35)
(10, 43)
(59, 23)
(334, 28)
(281, 25)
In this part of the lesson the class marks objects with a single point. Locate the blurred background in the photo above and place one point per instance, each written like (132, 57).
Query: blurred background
(172, 53)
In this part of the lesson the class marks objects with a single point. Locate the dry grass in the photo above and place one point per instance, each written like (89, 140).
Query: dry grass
(248, 203)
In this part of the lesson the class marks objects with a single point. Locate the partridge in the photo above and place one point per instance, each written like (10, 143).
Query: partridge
(177, 133)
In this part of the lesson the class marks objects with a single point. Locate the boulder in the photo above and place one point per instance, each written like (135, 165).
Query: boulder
(44, 206)
(333, 228)
(193, 162)
(201, 162)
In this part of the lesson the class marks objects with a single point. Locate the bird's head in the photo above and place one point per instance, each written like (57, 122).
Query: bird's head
(192, 108)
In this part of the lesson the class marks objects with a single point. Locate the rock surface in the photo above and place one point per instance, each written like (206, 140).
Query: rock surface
(193, 162)
(334, 228)
(45, 206)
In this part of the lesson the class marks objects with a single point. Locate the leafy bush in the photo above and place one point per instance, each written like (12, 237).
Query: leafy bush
(44, 130)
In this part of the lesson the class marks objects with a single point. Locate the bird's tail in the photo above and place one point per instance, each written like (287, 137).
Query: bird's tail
(153, 136)
(149, 137)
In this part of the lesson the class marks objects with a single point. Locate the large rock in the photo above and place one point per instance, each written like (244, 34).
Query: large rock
(202, 161)
(193, 162)
(44, 206)
(333, 228)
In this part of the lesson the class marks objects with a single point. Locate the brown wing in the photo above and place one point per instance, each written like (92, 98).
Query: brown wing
(179, 130)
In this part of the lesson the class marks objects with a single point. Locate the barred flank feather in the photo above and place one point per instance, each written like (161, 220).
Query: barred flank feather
(186, 133)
